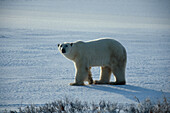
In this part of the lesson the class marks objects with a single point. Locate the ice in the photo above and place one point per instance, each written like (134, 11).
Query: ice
(32, 71)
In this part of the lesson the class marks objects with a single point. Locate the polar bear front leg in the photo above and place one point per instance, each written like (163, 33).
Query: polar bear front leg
(81, 75)
(104, 76)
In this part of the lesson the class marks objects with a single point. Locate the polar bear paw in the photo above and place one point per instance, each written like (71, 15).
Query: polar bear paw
(76, 84)
(100, 82)
(110, 83)
(118, 83)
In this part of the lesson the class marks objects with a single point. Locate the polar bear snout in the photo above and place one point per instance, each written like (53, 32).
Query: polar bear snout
(63, 50)
(60, 46)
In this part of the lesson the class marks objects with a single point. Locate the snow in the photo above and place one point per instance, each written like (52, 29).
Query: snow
(32, 71)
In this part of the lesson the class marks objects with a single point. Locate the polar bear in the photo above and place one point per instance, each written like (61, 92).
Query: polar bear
(109, 54)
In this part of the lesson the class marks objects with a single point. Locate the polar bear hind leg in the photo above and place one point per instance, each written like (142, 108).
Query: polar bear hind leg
(89, 79)
(119, 74)
(104, 76)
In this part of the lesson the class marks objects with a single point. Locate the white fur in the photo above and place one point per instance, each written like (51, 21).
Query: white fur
(107, 53)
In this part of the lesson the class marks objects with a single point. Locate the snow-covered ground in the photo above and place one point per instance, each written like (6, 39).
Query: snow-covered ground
(32, 71)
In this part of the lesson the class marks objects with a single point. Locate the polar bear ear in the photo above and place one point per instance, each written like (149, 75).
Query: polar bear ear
(71, 44)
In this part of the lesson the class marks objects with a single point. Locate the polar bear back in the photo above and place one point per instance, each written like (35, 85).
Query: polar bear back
(100, 52)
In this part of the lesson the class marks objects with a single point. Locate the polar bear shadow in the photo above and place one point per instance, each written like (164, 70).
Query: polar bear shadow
(130, 91)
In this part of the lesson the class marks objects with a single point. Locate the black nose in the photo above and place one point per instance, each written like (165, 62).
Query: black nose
(63, 51)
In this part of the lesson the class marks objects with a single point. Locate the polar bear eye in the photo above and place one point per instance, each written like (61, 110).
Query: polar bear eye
(66, 45)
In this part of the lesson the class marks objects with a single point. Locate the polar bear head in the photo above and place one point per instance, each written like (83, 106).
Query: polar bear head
(66, 49)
